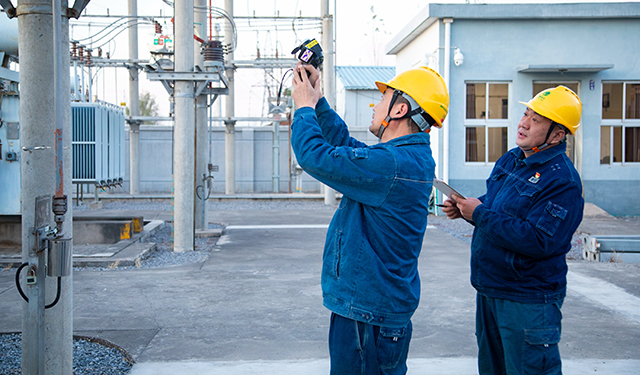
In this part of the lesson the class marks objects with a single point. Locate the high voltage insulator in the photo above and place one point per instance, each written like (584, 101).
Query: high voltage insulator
(213, 51)
(158, 27)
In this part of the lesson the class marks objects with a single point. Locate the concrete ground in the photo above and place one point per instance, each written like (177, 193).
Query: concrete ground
(255, 306)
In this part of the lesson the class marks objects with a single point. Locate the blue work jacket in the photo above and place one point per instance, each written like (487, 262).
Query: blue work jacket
(523, 227)
(370, 260)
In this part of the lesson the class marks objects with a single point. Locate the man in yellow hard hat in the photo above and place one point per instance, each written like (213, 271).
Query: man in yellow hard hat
(523, 229)
(370, 278)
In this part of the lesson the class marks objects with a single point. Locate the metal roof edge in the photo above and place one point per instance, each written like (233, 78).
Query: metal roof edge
(537, 10)
(433, 12)
(564, 68)
(355, 77)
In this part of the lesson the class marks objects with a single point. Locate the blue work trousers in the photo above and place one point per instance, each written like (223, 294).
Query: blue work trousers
(358, 348)
(518, 338)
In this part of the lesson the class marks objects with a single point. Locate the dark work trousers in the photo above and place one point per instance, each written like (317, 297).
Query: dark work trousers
(518, 338)
(358, 348)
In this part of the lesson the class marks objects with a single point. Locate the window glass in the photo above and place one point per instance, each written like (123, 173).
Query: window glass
(498, 100)
(612, 101)
(605, 145)
(476, 100)
(571, 145)
(487, 104)
(632, 145)
(632, 101)
(617, 144)
(620, 143)
(497, 143)
(475, 144)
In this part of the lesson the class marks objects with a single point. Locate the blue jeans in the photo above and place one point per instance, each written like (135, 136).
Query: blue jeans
(366, 349)
(518, 338)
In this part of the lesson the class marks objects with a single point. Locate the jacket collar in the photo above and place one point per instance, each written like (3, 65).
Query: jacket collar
(411, 139)
(541, 157)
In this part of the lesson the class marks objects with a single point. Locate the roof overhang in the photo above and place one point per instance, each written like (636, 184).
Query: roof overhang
(587, 68)
(432, 13)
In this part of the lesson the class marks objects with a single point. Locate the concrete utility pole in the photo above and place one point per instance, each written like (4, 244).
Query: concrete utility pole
(184, 128)
(329, 76)
(47, 342)
(134, 102)
(230, 131)
(202, 145)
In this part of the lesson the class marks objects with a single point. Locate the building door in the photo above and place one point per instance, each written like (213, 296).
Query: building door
(571, 140)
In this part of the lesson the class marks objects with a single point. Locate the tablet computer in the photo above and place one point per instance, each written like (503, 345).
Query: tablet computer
(445, 188)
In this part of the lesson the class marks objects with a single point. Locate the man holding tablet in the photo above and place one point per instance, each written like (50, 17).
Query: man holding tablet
(523, 229)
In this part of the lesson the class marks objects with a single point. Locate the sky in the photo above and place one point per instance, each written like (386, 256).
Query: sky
(363, 28)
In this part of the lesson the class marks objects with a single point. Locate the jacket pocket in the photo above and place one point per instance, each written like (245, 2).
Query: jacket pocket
(510, 258)
(392, 346)
(541, 351)
(521, 200)
(333, 258)
(551, 218)
(493, 188)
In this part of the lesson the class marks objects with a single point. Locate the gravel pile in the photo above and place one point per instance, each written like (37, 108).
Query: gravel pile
(164, 255)
(89, 358)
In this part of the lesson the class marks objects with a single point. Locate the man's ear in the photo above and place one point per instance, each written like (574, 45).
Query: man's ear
(558, 135)
(401, 109)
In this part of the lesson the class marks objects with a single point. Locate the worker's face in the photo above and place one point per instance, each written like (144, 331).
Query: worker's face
(380, 111)
(532, 130)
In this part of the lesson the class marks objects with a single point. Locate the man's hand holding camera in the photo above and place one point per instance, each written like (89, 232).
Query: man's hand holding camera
(306, 86)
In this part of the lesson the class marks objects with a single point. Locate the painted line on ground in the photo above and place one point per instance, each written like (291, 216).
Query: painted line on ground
(288, 226)
(440, 366)
(604, 293)
(281, 226)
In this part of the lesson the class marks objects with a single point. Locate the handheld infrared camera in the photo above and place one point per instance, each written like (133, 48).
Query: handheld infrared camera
(310, 53)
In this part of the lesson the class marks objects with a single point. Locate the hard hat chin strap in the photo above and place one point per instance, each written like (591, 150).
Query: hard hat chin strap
(386, 120)
(416, 113)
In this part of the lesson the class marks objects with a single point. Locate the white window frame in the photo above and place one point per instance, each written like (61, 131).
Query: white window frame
(486, 122)
(624, 123)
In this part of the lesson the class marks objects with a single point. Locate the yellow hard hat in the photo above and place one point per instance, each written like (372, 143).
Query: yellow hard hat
(426, 87)
(560, 105)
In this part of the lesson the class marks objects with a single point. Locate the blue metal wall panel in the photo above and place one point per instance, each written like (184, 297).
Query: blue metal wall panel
(10, 176)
